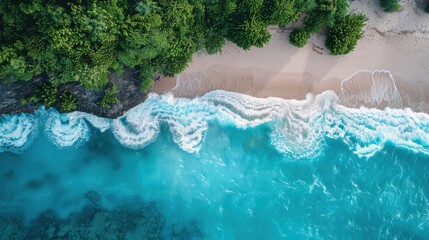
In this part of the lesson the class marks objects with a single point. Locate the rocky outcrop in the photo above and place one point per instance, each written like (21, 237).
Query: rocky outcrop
(129, 95)
(12, 93)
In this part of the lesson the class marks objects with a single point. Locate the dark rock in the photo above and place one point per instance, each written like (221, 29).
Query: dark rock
(9, 224)
(132, 219)
(34, 184)
(93, 197)
(12, 93)
(129, 95)
(187, 230)
(43, 227)
(9, 174)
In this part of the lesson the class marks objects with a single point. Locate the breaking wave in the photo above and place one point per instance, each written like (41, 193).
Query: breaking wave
(298, 128)
(17, 132)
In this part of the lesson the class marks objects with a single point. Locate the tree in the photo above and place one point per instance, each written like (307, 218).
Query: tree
(147, 84)
(68, 102)
(252, 32)
(321, 14)
(343, 36)
(110, 97)
(217, 22)
(85, 40)
(48, 93)
(279, 12)
(390, 5)
(299, 37)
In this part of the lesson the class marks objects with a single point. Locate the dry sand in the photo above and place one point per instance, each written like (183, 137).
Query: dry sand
(397, 42)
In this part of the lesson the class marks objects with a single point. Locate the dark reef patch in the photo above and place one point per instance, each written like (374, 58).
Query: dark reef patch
(131, 220)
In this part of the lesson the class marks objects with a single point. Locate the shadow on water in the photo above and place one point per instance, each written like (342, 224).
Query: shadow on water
(102, 148)
(47, 179)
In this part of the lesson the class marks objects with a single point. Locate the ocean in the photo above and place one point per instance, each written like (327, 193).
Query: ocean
(221, 166)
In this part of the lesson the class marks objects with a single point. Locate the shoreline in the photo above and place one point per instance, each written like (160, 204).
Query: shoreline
(371, 89)
(391, 42)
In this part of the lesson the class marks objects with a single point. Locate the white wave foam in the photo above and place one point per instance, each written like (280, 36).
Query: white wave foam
(370, 89)
(298, 128)
(300, 133)
(17, 132)
(100, 123)
(186, 119)
(66, 130)
(136, 131)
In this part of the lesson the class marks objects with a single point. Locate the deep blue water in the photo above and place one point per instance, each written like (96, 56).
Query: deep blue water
(227, 166)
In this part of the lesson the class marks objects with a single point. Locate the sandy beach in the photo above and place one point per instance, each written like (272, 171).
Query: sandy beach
(393, 50)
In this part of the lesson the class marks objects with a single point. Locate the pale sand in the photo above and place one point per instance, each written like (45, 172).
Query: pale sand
(396, 42)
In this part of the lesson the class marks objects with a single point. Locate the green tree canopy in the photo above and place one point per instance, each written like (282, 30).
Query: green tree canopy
(343, 36)
(85, 40)
(390, 5)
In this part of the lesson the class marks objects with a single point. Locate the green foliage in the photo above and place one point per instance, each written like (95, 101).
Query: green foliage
(213, 42)
(32, 99)
(280, 12)
(320, 14)
(147, 84)
(390, 5)
(252, 32)
(85, 40)
(68, 102)
(146, 77)
(299, 37)
(13, 66)
(48, 94)
(109, 97)
(343, 36)
(427, 9)
(72, 41)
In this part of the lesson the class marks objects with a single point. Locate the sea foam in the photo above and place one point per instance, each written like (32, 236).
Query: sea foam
(299, 128)
(370, 89)
(17, 132)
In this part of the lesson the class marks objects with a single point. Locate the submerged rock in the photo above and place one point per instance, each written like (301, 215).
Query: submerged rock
(130, 220)
(129, 95)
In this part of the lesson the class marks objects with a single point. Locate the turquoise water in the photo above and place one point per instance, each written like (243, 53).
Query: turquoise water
(228, 166)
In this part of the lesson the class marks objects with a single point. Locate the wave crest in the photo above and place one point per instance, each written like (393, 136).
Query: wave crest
(66, 130)
(299, 129)
(17, 132)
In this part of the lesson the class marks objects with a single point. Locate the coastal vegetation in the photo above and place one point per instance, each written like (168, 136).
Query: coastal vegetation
(390, 5)
(68, 102)
(323, 14)
(344, 34)
(109, 99)
(85, 40)
(48, 94)
(299, 37)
